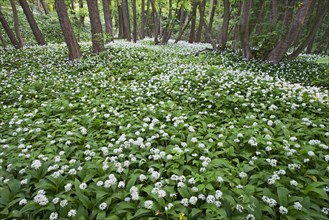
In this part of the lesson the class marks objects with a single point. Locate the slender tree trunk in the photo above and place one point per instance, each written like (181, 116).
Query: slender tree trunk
(193, 22)
(310, 46)
(274, 13)
(244, 30)
(44, 5)
(3, 42)
(39, 6)
(277, 54)
(69, 37)
(126, 20)
(156, 27)
(16, 23)
(148, 23)
(199, 32)
(226, 20)
(206, 27)
(120, 23)
(320, 14)
(134, 20)
(212, 14)
(82, 17)
(181, 20)
(108, 20)
(289, 12)
(143, 20)
(9, 32)
(183, 29)
(236, 29)
(33, 24)
(96, 26)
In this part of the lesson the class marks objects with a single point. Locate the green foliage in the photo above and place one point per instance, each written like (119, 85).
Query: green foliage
(149, 132)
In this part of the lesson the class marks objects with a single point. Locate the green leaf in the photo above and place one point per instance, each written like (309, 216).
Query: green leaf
(142, 213)
(101, 215)
(195, 212)
(283, 196)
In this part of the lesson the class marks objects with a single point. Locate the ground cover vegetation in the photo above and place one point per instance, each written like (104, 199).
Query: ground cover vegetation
(93, 126)
(151, 132)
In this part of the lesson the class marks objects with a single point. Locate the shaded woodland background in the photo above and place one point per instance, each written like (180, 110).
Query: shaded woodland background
(270, 30)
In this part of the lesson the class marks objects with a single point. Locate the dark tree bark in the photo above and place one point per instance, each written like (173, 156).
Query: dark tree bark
(199, 32)
(3, 42)
(16, 23)
(274, 13)
(126, 20)
(236, 29)
(212, 14)
(143, 20)
(193, 22)
(181, 20)
(288, 13)
(156, 24)
(244, 30)
(315, 25)
(206, 27)
(8, 31)
(277, 54)
(226, 20)
(82, 17)
(44, 5)
(96, 26)
(33, 24)
(69, 37)
(310, 46)
(134, 20)
(120, 22)
(108, 20)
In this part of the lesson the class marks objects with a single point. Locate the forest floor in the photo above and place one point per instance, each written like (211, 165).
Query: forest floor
(149, 132)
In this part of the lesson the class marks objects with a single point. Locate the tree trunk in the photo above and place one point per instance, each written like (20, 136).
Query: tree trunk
(277, 54)
(33, 24)
(289, 12)
(193, 22)
(244, 30)
(9, 32)
(183, 29)
(206, 27)
(82, 17)
(120, 22)
(143, 20)
(126, 20)
(108, 20)
(156, 27)
(236, 29)
(226, 20)
(3, 42)
(310, 46)
(274, 13)
(16, 23)
(320, 14)
(199, 32)
(212, 14)
(181, 20)
(96, 27)
(134, 20)
(69, 37)
(39, 6)
(44, 5)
